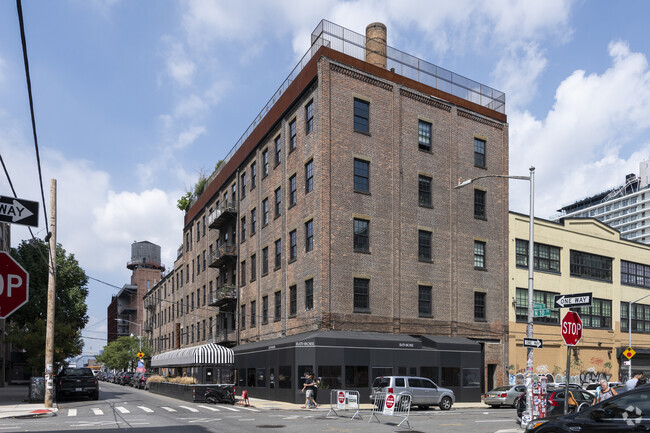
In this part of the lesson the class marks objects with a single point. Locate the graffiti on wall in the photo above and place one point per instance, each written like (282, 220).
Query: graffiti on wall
(590, 375)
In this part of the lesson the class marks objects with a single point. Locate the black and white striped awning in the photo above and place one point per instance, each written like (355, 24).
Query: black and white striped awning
(208, 354)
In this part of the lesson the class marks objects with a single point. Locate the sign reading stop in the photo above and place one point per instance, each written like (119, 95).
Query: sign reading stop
(571, 328)
(14, 285)
(341, 397)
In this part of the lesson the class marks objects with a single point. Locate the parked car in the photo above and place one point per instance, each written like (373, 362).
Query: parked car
(593, 386)
(555, 401)
(142, 381)
(626, 412)
(135, 379)
(77, 381)
(504, 395)
(423, 391)
(125, 379)
(117, 379)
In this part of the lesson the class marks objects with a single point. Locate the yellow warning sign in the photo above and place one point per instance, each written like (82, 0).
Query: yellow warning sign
(629, 353)
(140, 355)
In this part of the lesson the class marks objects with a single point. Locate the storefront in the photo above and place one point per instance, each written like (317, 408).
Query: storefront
(209, 363)
(275, 369)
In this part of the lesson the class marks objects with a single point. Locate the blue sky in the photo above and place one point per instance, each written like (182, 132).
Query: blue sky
(133, 99)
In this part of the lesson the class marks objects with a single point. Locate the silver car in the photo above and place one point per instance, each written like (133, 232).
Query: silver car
(423, 391)
(504, 395)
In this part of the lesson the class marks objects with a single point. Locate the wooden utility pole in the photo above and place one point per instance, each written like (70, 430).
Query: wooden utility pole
(51, 290)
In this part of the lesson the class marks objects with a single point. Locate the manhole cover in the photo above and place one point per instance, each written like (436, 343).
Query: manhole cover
(271, 426)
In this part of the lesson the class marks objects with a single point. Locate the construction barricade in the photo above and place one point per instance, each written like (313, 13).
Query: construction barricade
(397, 405)
(342, 400)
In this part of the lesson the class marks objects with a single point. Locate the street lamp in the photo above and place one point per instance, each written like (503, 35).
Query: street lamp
(139, 327)
(629, 330)
(531, 263)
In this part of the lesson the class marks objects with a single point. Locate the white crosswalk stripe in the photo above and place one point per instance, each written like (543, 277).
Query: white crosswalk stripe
(250, 408)
(191, 409)
(72, 412)
(168, 409)
(146, 409)
(214, 409)
(230, 408)
(122, 409)
(97, 411)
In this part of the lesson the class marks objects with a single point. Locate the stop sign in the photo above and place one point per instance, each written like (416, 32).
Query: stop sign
(14, 285)
(571, 328)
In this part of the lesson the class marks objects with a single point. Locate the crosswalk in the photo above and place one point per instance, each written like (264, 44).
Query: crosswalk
(122, 409)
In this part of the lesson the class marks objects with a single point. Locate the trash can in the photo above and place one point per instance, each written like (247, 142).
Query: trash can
(37, 389)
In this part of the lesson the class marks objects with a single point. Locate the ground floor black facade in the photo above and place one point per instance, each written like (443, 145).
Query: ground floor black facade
(275, 369)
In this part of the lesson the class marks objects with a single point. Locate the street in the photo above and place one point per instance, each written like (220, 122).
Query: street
(120, 408)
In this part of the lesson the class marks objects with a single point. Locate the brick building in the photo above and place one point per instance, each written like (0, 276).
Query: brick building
(334, 218)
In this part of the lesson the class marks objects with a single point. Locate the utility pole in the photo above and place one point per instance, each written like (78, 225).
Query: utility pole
(51, 290)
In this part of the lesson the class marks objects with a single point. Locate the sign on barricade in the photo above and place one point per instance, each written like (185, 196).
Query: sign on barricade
(398, 405)
(344, 400)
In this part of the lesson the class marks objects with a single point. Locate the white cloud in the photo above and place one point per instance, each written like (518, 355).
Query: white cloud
(518, 71)
(583, 145)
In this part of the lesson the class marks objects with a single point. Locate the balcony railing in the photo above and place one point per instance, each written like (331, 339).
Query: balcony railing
(220, 216)
(226, 337)
(150, 304)
(222, 255)
(224, 296)
(147, 327)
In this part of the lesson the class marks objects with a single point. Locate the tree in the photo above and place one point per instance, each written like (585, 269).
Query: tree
(27, 326)
(121, 353)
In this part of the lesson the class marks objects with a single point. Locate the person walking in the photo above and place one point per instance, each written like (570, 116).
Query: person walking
(631, 383)
(308, 389)
(605, 393)
(316, 385)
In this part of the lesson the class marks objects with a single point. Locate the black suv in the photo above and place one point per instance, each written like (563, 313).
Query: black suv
(77, 381)
(626, 412)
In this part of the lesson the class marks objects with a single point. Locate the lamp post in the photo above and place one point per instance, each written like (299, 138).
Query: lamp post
(139, 327)
(528, 415)
(629, 331)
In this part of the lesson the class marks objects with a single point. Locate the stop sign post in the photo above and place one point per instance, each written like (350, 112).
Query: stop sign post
(571, 328)
(14, 285)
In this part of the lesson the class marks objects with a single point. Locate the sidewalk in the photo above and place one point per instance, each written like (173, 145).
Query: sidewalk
(14, 403)
(282, 405)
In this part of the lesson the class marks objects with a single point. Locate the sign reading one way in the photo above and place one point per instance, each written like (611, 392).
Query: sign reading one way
(14, 285)
(18, 211)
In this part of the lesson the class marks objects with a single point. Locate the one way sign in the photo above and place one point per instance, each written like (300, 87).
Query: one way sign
(533, 342)
(18, 211)
(577, 300)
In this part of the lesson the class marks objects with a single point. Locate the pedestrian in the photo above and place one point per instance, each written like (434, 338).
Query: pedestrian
(316, 385)
(308, 389)
(605, 393)
(631, 383)
(642, 381)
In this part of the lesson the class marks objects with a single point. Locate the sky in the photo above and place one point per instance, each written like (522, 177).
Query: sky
(134, 100)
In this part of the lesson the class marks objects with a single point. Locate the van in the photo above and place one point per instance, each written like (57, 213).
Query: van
(424, 392)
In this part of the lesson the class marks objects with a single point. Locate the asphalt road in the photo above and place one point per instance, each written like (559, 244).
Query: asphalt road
(121, 408)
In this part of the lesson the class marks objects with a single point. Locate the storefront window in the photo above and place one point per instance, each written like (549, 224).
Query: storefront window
(241, 378)
(330, 376)
(429, 373)
(302, 369)
(450, 376)
(251, 377)
(471, 378)
(272, 378)
(284, 377)
(261, 377)
(356, 376)
(381, 371)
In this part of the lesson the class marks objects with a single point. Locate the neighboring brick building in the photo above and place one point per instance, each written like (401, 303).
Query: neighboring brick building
(336, 213)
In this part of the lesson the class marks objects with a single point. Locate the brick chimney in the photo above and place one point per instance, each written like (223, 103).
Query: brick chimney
(376, 44)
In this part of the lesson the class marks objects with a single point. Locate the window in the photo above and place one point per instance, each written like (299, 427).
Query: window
(265, 212)
(278, 254)
(361, 295)
(361, 235)
(253, 267)
(361, 176)
(479, 255)
(471, 378)
(479, 152)
(265, 310)
(242, 317)
(278, 150)
(546, 257)
(293, 301)
(598, 315)
(424, 246)
(284, 377)
(253, 313)
(309, 294)
(292, 136)
(278, 202)
(361, 116)
(309, 236)
(243, 185)
(424, 191)
(253, 176)
(592, 266)
(265, 163)
(309, 177)
(243, 229)
(293, 195)
(635, 274)
(265, 260)
(539, 297)
(253, 222)
(309, 117)
(278, 306)
(640, 317)
(424, 135)
(479, 306)
(198, 231)
(479, 204)
(293, 246)
(425, 308)
(243, 273)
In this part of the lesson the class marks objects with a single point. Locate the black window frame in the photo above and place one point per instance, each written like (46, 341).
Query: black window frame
(480, 254)
(361, 295)
(242, 315)
(293, 246)
(361, 238)
(277, 310)
(253, 314)
(309, 117)
(425, 243)
(635, 274)
(253, 175)
(309, 176)
(265, 212)
(480, 306)
(253, 267)
(278, 255)
(639, 325)
(547, 258)
(424, 135)
(253, 221)
(540, 297)
(293, 300)
(265, 260)
(242, 185)
(361, 120)
(309, 235)
(425, 301)
(425, 196)
(278, 201)
(242, 228)
(293, 193)
(278, 150)
(480, 153)
(265, 163)
(309, 294)
(265, 310)
(584, 265)
(598, 315)
(480, 199)
(361, 176)
(293, 138)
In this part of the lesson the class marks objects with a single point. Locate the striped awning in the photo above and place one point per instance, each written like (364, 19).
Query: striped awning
(208, 354)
